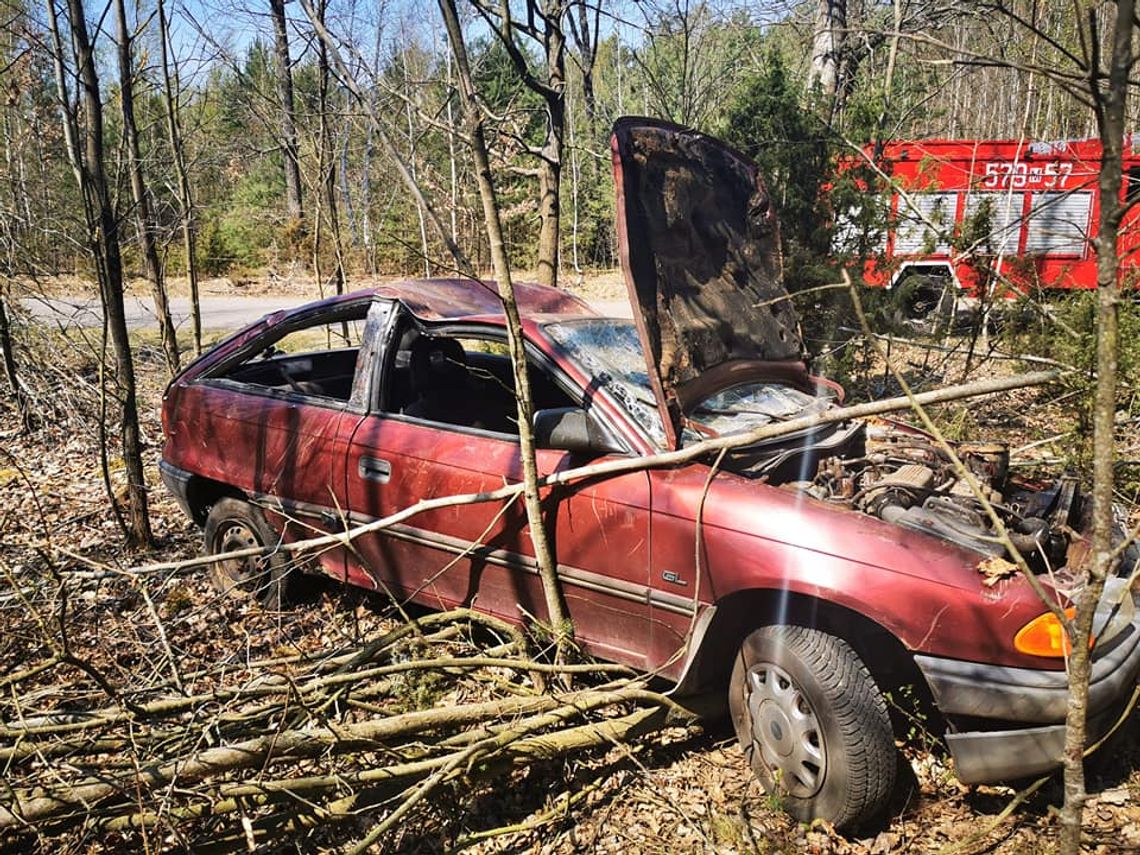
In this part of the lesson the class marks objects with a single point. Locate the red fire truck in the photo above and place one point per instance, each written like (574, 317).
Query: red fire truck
(1013, 216)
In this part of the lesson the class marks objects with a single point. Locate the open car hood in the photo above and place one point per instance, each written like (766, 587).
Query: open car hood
(700, 250)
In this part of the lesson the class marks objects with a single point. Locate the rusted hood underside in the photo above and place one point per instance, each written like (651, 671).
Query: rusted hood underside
(700, 249)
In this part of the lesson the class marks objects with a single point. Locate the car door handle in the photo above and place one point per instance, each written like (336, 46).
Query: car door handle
(374, 469)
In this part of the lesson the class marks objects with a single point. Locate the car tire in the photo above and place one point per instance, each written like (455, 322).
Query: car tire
(918, 297)
(921, 304)
(233, 524)
(813, 725)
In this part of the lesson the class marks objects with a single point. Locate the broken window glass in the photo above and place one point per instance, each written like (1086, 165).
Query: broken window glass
(752, 405)
(609, 351)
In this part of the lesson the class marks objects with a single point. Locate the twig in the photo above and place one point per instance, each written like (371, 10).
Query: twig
(620, 466)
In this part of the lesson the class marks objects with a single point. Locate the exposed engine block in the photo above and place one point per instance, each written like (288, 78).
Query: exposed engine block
(902, 476)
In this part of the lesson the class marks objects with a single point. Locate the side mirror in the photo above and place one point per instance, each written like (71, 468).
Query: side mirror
(572, 429)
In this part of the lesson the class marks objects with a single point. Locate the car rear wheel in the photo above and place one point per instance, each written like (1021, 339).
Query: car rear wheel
(232, 525)
(813, 724)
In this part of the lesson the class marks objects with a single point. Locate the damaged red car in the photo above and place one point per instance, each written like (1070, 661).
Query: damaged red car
(832, 565)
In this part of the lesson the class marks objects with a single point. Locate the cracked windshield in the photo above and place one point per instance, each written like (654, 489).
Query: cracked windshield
(609, 350)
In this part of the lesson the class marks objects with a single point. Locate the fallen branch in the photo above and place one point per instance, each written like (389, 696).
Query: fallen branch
(617, 466)
(312, 742)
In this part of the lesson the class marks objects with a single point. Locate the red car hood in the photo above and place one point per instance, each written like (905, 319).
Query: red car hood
(700, 248)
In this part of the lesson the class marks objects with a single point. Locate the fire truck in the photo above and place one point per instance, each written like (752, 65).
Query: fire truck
(1006, 217)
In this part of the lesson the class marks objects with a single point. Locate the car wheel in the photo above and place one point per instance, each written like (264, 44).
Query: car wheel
(232, 525)
(813, 725)
(920, 303)
(918, 296)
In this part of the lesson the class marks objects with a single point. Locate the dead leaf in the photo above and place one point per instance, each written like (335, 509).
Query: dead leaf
(1118, 796)
(996, 568)
(883, 843)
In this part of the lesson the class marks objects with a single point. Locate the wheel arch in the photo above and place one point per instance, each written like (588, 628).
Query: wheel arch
(202, 493)
(925, 267)
(720, 632)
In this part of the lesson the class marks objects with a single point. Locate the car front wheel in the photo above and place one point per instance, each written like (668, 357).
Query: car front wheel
(813, 724)
(234, 525)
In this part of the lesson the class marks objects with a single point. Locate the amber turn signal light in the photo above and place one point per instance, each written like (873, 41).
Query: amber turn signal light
(1045, 636)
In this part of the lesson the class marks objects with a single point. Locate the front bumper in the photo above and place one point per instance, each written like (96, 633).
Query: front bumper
(1030, 697)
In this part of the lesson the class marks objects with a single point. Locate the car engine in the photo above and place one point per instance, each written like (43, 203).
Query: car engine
(892, 471)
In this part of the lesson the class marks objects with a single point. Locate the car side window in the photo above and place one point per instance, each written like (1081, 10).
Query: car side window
(316, 359)
(463, 380)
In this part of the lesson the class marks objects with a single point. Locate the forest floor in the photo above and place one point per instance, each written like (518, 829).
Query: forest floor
(677, 790)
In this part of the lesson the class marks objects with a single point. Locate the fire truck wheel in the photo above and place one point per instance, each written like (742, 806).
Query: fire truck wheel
(917, 297)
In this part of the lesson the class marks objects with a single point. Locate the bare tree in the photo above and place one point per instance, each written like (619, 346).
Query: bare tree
(326, 168)
(15, 212)
(144, 214)
(585, 29)
(171, 93)
(473, 115)
(851, 43)
(542, 25)
(1109, 93)
(380, 129)
(828, 42)
(283, 69)
(86, 159)
(410, 114)
(23, 408)
(691, 58)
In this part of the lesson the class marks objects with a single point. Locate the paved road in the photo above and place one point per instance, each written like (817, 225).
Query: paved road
(613, 308)
(218, 313)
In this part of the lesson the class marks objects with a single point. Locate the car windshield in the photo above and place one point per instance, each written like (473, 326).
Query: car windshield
(609, 351)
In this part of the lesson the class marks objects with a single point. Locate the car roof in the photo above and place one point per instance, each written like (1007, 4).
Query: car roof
(460, 299)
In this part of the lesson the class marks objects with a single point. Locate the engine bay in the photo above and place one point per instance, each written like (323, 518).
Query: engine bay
(894, 472)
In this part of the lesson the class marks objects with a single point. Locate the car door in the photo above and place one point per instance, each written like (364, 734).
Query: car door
(480, 553)
(275, 420)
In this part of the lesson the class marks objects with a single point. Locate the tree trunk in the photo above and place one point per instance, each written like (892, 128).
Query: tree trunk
(23, 410)
(1110, 104)
(827, 51)
(290, 148)
(453, 170)
(318, 213)
(549, 193)
(103, 243)
(327, 163)
(547, 569)
(544, 22)
(340, 277)
(185, 196)
(550, 160)
(586, 44)
(144, 217)
(412, 162)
